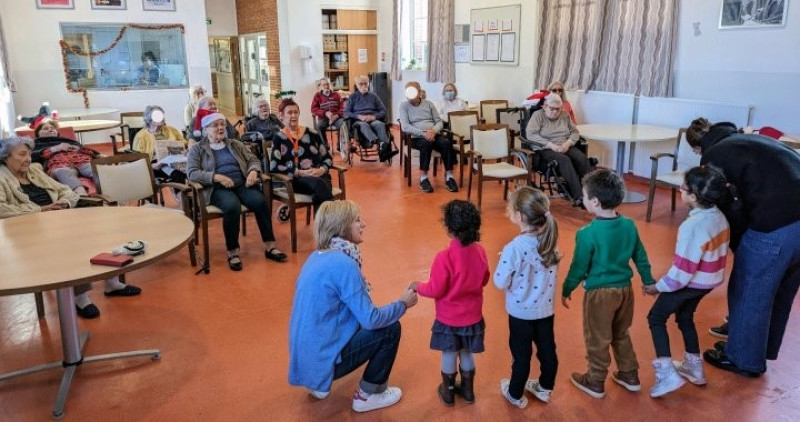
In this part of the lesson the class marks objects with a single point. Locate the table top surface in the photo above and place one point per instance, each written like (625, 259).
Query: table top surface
(71, 113)
(83, 125)
(49, 250)
(627, 133)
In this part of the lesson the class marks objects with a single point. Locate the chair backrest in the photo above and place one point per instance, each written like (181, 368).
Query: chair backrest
(685, 158)
(133, 121)
(511, 116)
(490, 140)
(125, 177)
(488, 108)
(461, 121)
(64, 132)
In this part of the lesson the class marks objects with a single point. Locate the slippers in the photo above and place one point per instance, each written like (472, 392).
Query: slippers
(89, 311)
(274, 254)
(128, 290)
(234, 262)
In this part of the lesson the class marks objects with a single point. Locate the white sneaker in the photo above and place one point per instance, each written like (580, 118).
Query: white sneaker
(319, 395)
(667, 378)
(363, 402)
(521, 403)
(691, 369)
(536, 389)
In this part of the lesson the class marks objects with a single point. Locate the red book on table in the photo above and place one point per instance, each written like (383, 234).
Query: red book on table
(106, 258)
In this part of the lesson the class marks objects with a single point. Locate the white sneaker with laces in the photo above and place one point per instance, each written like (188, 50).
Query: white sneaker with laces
(363, 402)
(691, 368)
(319, 395)
(536, 389)
(667, 378)
(521, 403)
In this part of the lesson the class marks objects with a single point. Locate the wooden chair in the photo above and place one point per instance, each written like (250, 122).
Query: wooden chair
(674, 178)
(488, 110)
(493, 142)
(460, 123)
(281, 190)
(130, 122)
(407, 152)
(330, 130)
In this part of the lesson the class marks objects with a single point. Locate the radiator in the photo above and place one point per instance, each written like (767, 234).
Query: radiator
(602, 107)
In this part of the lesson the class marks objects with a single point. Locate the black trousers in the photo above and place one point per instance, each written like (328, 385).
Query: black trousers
(318, 187)
(522, 333)
(230, 201)
(440, 144)
(572, 166)
(682, 303)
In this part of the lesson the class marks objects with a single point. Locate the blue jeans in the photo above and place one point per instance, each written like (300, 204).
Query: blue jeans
(762, 287)
(379, 347)
(230, 202)
(373, 130)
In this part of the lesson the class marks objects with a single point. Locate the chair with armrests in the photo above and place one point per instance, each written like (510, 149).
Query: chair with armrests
(407, 152)
(674, 178)
(460, 123)
(493, 142)
(488, 110)
(281, 190)
(351, 140)
(130, 122)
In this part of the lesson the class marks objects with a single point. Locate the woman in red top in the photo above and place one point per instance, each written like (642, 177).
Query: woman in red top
(327, 107)
(63, 159)
(458, 276)
(566, 107)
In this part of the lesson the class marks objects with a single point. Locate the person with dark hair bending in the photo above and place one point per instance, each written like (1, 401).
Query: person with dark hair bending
(299, 153)
(458, 276)
(765, 237)
(698, 267)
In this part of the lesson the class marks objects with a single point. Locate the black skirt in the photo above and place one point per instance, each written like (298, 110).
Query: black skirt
(452, 339)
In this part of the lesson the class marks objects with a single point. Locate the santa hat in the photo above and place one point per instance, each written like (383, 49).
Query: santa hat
(770, 132)
(539, 95)
(211, 118)
(198, 120)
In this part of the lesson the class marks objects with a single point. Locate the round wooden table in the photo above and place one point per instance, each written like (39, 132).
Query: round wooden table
(627, 135)
(51, 250)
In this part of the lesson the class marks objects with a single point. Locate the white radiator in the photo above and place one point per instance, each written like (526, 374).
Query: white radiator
(602, 107)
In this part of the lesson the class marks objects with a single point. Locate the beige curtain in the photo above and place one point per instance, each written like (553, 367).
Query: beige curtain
(6, 68)
(609, 45)
(441, 60)
(396, 71)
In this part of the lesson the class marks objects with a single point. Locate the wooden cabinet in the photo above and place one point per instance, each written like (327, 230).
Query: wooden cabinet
(349, 45)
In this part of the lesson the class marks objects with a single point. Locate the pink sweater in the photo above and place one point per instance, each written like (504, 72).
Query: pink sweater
(458, 276)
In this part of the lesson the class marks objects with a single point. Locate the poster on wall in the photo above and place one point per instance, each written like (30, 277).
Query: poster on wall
(753, 14)
(55, 4)
(508, 47)
(159, 5)
(477, 47)
(108, 4)
(496, 43)
(492, 47)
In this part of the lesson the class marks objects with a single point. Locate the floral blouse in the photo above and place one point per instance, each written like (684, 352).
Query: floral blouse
(310, 152)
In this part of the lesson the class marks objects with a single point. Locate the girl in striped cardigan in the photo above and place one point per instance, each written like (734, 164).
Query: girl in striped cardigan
(698, 267)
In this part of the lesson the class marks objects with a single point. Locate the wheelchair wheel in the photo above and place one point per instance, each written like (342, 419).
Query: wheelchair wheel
(344, 143)
(282, 213)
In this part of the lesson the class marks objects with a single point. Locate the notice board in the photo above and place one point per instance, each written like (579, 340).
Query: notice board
(494, 35)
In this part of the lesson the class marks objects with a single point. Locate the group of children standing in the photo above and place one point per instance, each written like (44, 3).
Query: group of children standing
(527, 272)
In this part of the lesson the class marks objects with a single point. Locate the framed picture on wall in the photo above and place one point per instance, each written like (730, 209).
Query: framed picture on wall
(55, 4)
(160, 5)
(753, 14)
(108, 4)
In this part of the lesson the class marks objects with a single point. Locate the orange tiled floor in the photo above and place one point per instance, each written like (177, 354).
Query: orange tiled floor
(223, 336)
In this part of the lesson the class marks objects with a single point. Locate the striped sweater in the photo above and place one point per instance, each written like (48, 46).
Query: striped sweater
(700, 253)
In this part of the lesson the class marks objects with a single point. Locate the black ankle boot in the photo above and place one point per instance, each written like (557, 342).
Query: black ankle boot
(465, 389)
(447, 389)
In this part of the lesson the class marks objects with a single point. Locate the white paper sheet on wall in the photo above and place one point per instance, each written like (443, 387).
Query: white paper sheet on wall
(362, 55)
(492, 47)
(478, 47)
(508, 47)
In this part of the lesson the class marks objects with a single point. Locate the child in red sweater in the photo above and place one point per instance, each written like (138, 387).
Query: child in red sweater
(458, 276)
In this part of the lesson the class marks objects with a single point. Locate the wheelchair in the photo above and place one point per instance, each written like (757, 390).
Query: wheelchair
(352, 142)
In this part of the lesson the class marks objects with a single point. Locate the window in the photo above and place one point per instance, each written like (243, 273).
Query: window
(415, 47)
(137, 56)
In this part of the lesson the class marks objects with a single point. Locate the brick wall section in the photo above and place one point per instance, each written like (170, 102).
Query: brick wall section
(262, 16)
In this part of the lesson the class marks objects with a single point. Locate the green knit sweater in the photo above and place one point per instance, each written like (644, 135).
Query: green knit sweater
(603, 250)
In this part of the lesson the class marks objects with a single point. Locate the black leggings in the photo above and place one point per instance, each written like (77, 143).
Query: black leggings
(682, 303)
(522, 333)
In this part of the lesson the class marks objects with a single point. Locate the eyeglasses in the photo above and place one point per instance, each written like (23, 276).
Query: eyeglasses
(362, 83)
(553, 108)
(557, 90)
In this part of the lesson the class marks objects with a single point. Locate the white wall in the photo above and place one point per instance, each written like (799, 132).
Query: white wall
(33, 36)
(223, 18)
(760, 67)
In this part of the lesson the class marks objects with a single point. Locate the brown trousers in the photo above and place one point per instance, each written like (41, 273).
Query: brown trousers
(607, 318)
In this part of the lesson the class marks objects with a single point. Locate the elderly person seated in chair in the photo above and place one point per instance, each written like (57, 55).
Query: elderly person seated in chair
(263, 122)
(206, 106)
(327, 107)
(156, 129)
(419, 118)
(24, 189)
(300, 153)
(553, 132)
(367, 111)
(62, 159)
(230, 173)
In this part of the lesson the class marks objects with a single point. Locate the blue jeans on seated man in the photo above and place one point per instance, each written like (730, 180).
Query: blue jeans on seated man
(762, 287)
(230, 201)
(440, 144)
(379, 347)
(374, 130)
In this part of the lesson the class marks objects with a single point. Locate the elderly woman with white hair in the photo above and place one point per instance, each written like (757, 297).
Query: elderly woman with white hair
(196, 92)
(263, 121)
(156, 129)
(206, 106)
(552, 130)
(327, 107)
(25, 189)
(230, 173)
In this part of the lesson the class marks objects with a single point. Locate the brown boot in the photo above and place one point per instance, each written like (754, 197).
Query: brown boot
(627, 379)
(582, 381)
(447, 389)
(466, 387)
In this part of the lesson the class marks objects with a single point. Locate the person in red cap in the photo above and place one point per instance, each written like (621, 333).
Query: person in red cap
(206, 106)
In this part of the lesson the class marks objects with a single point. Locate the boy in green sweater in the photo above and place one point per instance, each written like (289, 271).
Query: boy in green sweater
(603, 250)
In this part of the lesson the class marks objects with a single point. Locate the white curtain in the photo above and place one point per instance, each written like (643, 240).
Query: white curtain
(396, 72)
(441, 60)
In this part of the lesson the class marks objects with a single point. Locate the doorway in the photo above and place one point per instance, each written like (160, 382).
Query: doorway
(255, 71)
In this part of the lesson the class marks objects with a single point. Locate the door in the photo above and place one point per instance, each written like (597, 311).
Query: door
(255, 71)
(362, 52)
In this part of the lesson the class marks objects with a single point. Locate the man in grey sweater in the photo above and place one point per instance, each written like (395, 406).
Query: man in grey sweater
(367, 111)
(419, 118)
